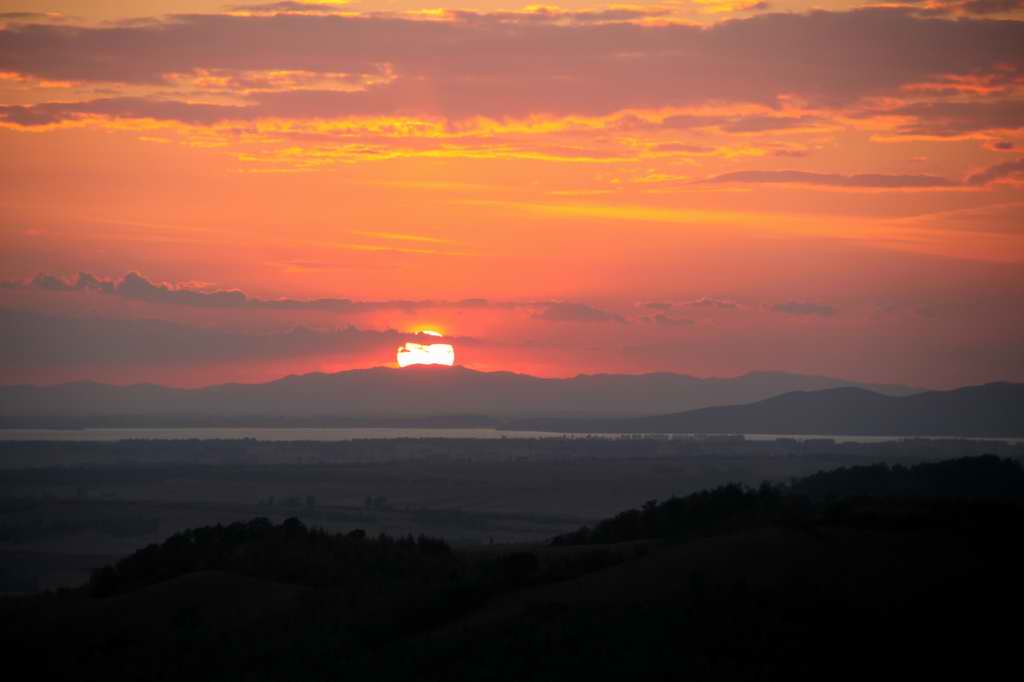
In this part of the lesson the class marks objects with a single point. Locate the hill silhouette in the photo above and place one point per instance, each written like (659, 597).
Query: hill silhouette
(375, 396)
(849, 494)
(872, 567)
(990, 410)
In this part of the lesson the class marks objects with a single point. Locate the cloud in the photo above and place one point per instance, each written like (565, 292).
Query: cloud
(758, 124)
(87, 281)
(51, 283)
(803, 308)
(540, 14)
(992, 6)
(687, 148)
(791, 153)
(32, 17)
(289, 7)
(997, 218)
(969, 7)
(667, 321)
(127, 108)
(865, 181)
(53, 342)
(703, 302)
(22, 16)
(955, 119)
(706, 302)
(737, 124)
(987, 176)
(574, 312)
(135, 286)
(1000, 171)
(464, 65)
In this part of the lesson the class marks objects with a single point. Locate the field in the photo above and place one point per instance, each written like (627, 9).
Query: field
(67, 508)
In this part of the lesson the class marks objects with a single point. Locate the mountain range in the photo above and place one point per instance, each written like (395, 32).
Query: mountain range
(380, 394)
(989, 410)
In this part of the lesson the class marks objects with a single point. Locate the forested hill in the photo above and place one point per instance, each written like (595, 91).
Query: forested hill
(891, 563)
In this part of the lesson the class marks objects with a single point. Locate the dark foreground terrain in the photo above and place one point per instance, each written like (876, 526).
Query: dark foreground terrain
(864, 570)
(67, 508)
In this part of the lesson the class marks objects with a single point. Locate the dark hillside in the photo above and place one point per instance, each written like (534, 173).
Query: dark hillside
(912, 568)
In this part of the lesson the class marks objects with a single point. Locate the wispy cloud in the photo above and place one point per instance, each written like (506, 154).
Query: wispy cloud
(558, 311)
(860, 181)
(803, 308)
(475, 66)
(136, 287)
(402, 237)
(1008, 169)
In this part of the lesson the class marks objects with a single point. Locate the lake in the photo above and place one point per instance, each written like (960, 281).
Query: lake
(342, 434)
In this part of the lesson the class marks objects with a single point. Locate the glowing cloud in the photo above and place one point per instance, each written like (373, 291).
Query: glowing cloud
(426, 354)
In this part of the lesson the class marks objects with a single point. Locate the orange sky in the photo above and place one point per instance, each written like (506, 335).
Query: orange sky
(708, 187)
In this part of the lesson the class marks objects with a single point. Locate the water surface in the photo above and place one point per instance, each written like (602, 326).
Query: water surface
(344, 434)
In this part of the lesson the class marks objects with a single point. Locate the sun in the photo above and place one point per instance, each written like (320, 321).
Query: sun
(426, 353)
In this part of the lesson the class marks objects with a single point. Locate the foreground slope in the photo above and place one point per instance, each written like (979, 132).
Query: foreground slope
(846, 573)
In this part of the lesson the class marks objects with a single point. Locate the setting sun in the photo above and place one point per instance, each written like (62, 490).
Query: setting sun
(426, 354)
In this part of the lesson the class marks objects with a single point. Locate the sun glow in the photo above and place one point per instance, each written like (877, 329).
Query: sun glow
(426, 354)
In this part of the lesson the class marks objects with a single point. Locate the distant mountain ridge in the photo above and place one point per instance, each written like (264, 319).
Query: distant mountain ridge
(410, 393)
(990, 410)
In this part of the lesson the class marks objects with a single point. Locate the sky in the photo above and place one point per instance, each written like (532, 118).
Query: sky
(194, 191)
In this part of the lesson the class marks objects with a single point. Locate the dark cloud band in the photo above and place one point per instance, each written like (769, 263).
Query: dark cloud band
(468, 66)
(137, 287)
